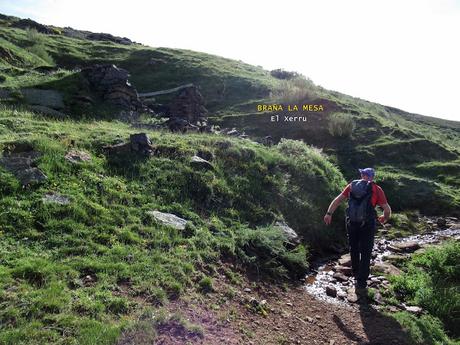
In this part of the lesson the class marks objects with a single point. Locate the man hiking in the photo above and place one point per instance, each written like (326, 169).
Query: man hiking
(363, 195)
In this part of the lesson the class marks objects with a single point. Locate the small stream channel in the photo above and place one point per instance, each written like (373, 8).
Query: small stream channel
(331, 280)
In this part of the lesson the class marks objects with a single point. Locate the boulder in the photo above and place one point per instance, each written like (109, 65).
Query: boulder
(20, 161)
(169, 219)
(139, 144)
(291, 235)
(331, 291)
(385, 268)
(405, 247)
(352, 297)
(201, 163)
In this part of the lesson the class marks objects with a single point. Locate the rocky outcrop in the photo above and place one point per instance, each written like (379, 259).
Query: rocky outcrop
(21, 162)
(47, 98)
(30, 24)
(139, 145)
(189, 105)
(41, 109)
(112, 84)
(108, 37)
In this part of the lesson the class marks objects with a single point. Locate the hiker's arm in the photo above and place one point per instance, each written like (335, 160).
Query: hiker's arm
(386, 213)
(332, 207)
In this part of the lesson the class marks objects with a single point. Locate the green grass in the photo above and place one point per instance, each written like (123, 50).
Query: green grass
(71, 274)
(431, 280)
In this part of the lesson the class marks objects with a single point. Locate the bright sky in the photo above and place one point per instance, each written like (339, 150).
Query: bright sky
(404, 54)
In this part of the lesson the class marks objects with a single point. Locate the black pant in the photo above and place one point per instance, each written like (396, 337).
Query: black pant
(361, 242)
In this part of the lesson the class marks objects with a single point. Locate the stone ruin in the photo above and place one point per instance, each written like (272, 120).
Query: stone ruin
(112, 84)
(189, 105)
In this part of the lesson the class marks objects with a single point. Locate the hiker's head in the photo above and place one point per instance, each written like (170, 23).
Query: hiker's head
(367, 174)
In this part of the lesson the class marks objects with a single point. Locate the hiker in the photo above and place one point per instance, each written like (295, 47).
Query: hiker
(363, 195)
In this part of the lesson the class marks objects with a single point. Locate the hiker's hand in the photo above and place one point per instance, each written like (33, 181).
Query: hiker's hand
(382, 219)
(327, 219)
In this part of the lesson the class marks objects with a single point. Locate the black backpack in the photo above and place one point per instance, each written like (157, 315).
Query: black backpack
(360, 208)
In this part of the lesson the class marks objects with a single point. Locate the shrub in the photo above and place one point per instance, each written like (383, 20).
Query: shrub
(294, 90)
(341, 125)
(205, 285)
(37, 41)
(282, 74)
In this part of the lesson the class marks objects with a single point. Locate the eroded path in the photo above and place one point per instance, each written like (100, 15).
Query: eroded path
(258, 313)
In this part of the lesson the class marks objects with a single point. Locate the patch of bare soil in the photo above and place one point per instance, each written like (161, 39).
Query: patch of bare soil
(259, 313)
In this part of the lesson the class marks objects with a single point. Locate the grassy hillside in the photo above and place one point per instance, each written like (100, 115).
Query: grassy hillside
(74, 273)
(80, 271)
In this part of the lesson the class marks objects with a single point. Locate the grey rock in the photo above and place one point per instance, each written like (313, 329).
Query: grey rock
(112, 84)
(47, 98)
(199, 162)
(406, 247)
(41, 109)
(55, 198)
(22, 165)
(31, 176)
(169, 219)
(340, 277)
(189, 105)
(75, 156)
(291, 235)
(413, 309)
(352, 297)
(385, 268)
(331, 291)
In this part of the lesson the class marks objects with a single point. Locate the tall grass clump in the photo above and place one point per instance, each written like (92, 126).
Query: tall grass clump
(38, 45)
(341, 125)
(294, 90)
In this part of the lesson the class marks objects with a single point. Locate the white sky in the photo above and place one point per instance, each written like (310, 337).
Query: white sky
(404, 54)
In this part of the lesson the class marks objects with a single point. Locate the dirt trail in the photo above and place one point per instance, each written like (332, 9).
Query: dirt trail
(269, 315)
(261, 314)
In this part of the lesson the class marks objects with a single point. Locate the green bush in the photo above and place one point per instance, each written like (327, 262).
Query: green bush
(264, 249)
(341, 125)
(294, 90)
